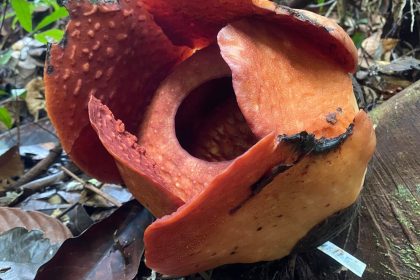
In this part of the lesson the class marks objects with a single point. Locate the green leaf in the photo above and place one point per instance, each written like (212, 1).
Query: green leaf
(52, 3)
(321, 3)
(358, 38)
(51, 35)
(5, 57)
(5, 117)
(23, 12)
(60, 13)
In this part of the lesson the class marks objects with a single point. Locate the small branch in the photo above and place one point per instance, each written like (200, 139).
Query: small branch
(92, 188)
(37, 185)
(320, 5)
(38, 169)
(67, 210)
(330, 9)
(4, 15)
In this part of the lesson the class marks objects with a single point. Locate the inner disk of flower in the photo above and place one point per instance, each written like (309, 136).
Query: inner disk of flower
(209, 124)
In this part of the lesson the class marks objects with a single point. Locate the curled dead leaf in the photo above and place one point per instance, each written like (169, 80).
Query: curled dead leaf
(110, 249)
(32, 220)
(10, 164)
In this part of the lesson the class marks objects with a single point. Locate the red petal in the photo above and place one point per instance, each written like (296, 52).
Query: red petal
(112, 51)
(196, 23)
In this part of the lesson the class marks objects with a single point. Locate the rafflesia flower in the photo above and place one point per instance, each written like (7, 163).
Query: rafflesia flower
(237, 124)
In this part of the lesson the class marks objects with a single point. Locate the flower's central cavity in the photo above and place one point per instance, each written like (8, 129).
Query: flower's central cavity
(209, 124)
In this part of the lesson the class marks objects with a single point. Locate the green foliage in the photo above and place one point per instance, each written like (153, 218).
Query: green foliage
(23, 11)
(53, 34)
(358, 38)
(5, 117)
(57, 14)
(321, 3)
(5, 57)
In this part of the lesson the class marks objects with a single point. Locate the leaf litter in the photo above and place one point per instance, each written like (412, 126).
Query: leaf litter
(22, 252)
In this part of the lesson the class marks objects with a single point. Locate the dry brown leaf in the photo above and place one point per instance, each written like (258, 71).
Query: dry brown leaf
(34, 97)
(110, 249)
(10, 165)
(374, 49)
(54, 230)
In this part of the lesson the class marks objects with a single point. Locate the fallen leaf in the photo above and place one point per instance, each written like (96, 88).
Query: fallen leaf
(375, 49)
(14, 217)
(110, 249)
(9, 198)
(78, 220)
(37, 151)
(30, 204)
(10, 163)
(69, 197)
(33, 133)
(22, 252)
(118, 192)
(400, 65)
(35, 97)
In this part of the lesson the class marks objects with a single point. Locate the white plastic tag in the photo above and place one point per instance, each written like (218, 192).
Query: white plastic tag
(353, 264)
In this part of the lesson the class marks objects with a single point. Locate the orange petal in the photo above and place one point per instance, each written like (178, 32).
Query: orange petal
(114, 52)
(246, 215)
(136, 167)
(185, 175)
(156, 169)
(283, 83)
(323, 33)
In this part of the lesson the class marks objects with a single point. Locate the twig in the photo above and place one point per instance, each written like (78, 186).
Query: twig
(67, 210)
(92, 188)
(330, 9)
(320, 5)
(413, 17)
(4, 14)
(39, 184)
(39, 168)
(16, 106)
